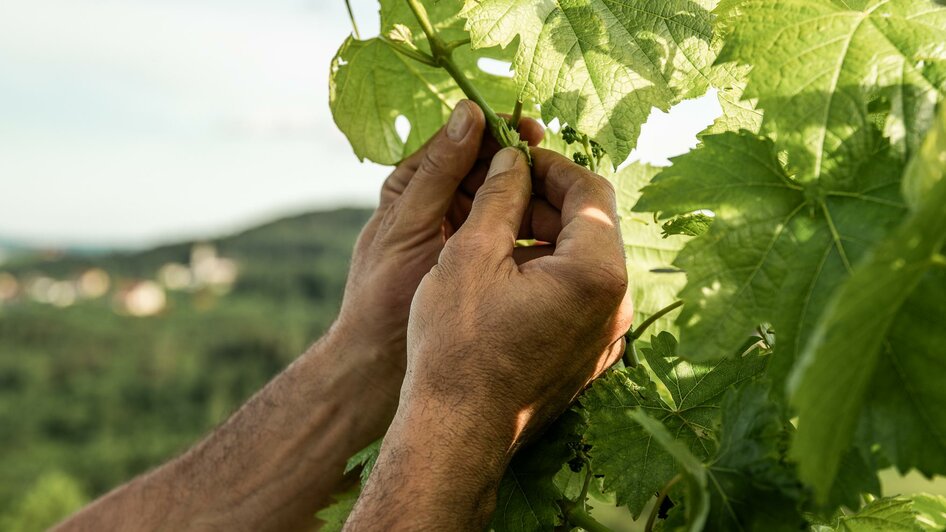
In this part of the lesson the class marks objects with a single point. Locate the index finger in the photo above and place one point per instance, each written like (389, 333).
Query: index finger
(590, 226)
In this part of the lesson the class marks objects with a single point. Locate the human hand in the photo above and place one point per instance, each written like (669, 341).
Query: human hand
(500, 340)
(425, 199)
(509, 343)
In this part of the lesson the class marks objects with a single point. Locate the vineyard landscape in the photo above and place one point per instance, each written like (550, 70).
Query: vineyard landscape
(786, 368)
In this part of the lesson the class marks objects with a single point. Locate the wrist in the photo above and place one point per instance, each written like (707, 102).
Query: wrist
(377, 364)
(363, 394)
(445, 465)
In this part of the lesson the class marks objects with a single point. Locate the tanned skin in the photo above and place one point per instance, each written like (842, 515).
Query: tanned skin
(455, 374)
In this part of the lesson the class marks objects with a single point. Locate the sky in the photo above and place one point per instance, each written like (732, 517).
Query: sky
(128, 123)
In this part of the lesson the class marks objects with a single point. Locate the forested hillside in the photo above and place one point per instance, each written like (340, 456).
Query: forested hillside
(92, 394)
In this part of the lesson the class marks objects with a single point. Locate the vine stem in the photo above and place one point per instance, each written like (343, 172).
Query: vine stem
(414, 54)
(443, 55)
(583, 497)
(516, 115)
(578, 517)
(639, 331)
(630, 358)
(661, 496)
(351, 16)
(592, 161)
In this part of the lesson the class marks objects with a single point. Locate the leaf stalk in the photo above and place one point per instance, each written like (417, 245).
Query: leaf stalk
(630, 358)
(639, 331)
(351, 17)
(661, 496)
(416, 55)
(516, 115)
(442, 55)
(577, 516)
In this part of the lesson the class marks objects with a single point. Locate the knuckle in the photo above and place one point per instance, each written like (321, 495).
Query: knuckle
(503, 184)
(388, 220)
(474, 241)
(607, 188)
(435, 160)
(608, 282)
(494, 192)
(441, 273)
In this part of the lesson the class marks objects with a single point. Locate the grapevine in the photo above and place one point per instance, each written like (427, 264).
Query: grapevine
(787, 273)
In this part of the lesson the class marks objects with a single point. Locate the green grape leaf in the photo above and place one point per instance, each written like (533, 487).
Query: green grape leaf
(688, 224)
(752, 487)
(857, 475)
(928, 167)
(528, 496)
(601, 65)
(653, 281)
(737, 113)
(931, 509)
(697, 388)
(364, 459)
(729, 79)
(832, 379)
(632, 467)
(902, 410)
(335, 515)
(776, 248)
(895, 514)
(690, 467)
(371, 84)
(817, 65)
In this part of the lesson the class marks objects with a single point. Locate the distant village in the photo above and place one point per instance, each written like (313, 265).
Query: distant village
(206, 271)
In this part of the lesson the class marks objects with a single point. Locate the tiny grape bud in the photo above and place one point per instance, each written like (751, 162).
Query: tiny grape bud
(581, 159)
(576, 464)
(569, 135)
(597, 150)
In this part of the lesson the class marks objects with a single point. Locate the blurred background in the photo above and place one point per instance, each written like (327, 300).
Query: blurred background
(177, 211)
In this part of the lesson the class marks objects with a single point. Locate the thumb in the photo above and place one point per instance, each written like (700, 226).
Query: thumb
(447, 159)
(499, 206)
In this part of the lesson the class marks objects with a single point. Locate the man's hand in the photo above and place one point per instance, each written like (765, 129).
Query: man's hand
(425, 200)
(497, 348)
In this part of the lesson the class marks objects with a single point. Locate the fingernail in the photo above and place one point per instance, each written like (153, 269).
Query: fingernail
(459, 122)
(504, 160)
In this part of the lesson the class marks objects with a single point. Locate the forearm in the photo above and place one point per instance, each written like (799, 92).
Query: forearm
(272, 464)
(439, 469)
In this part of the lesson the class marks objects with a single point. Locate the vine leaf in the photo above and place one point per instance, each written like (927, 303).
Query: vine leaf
(902, 410)
(694, 474)
(932, 508)
(919, 513)
(335, 515)
(371, 84)
(654, 283)
(365, 459)
(817, 66)
(738, 113)
(878, 316)
(633, 467)
(601, 65)
(527, 500)
(928, 167)
(775, 249)
(751, 486)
